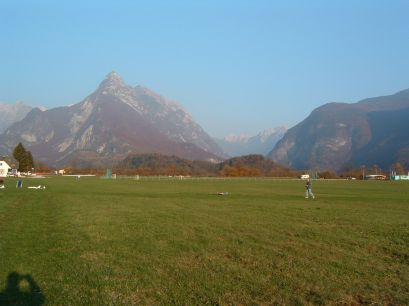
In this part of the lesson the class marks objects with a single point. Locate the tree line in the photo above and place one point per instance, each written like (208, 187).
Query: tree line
(158, 164)
(253, 165)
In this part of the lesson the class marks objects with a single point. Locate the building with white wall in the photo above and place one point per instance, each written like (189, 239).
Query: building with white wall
(4, 168)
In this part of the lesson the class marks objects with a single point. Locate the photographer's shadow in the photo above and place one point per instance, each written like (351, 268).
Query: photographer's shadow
(21, 289)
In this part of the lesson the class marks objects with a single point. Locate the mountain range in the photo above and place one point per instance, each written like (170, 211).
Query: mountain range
(112, 122)
(10, 113)
(336, 136)
(118, 120)
(262, 143)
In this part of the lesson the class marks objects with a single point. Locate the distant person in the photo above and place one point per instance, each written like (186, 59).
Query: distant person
(19, 184)
(308, 189)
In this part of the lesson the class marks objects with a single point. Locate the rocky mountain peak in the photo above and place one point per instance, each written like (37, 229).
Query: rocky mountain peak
(267, 133)
(113, 81)
(110, 123)
(113, 76)
(262, 143)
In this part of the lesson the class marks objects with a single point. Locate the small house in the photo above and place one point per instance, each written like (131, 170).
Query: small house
(4, 168)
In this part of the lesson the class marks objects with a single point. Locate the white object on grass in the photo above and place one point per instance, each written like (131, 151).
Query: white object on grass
(36, 187)
(222, 193)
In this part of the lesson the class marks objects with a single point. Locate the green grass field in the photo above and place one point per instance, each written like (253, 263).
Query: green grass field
(170, 242)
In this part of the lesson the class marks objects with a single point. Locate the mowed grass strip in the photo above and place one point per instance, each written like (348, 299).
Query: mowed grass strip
(125, 242)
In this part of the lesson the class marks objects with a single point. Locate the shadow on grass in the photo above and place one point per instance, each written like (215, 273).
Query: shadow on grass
(21, 289)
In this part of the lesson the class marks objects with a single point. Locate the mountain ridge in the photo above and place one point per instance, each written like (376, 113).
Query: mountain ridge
(262, 143)
(338, 135)
(10, 113)
(113, 121)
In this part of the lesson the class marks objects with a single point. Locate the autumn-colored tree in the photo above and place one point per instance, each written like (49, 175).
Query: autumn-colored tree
(42, 168)
(327, 175)
(228, 171)
(356, 173)
(376, 169)
(398, 168)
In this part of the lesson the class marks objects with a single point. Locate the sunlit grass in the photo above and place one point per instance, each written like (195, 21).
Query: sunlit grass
(122, 242)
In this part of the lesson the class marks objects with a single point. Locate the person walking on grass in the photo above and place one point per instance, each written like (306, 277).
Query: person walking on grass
(308, 189)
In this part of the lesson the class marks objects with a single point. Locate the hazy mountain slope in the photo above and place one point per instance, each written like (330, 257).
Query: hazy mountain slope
(10, 113)
(262, 143)
(372, 131)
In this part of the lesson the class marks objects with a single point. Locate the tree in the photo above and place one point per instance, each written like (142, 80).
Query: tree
(375, 168)
(399, 168)
(40, 167)
(327, 175)
(24, 158)
(20, 154)
(30, 161)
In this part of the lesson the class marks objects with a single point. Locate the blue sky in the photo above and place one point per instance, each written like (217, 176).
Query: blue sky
(236, 66)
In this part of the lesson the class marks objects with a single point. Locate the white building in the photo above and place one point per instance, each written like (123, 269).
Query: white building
(4, 168)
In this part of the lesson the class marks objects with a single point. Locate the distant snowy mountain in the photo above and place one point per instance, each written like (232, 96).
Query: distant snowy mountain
(233, 138)
(10, 113)
(112, 122)
(262, 143)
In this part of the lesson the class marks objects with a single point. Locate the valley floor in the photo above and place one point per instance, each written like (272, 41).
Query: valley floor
(91, 241)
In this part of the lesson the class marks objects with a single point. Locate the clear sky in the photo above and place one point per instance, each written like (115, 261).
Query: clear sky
(236, 66)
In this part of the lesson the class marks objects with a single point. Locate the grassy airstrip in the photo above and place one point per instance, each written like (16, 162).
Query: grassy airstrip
(174, 242)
